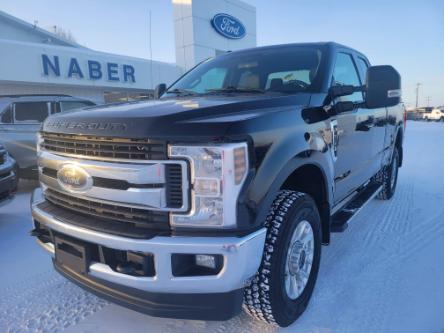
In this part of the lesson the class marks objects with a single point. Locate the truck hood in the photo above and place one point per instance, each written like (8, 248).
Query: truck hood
(182, 118)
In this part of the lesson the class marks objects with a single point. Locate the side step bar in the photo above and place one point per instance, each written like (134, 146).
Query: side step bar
(342, 218)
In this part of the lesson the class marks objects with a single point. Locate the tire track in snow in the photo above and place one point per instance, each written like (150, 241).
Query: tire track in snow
(45, 302)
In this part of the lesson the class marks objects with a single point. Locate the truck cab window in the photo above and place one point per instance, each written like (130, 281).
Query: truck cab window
(296, 71)
(213, 79)
(31, 112)
(362, 67)
(345, 73)
(71, 105)
(7, 116)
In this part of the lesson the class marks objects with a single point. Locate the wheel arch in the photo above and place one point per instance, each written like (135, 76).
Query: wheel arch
(311, 175)
(399, 143)
(310, 179)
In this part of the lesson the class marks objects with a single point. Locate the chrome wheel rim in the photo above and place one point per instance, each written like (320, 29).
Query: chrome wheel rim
(394, 172)
(299, 260)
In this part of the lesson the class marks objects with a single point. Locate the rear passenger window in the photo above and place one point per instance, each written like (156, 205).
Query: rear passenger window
(30, 112)
(7, 115)
(345, 73)
(71, 105)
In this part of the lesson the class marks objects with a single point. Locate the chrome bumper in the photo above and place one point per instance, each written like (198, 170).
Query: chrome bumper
(241, 256)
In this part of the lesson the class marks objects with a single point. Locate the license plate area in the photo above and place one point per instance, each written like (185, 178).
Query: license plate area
(72, 254)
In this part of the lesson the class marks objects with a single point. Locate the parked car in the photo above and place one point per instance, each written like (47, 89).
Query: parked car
(222, 192)
(21, 117)
(435, 115)
(8, 176)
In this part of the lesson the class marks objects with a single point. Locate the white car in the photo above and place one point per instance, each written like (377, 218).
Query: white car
(436, 115)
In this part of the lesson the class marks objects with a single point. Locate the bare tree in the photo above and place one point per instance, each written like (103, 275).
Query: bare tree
(66, 34)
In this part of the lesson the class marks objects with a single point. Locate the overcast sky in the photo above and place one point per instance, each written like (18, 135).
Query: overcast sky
(408, 34)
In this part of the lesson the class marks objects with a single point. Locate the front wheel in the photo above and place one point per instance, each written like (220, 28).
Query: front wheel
(389, 177)
(284, 283)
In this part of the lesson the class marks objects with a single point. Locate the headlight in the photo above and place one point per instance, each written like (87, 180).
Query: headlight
(217, 175)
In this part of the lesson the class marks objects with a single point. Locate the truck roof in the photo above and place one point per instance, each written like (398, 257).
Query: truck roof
(323, 44)
(331, 45)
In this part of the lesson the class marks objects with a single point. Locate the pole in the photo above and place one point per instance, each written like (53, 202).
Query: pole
(417, 94)
(428, 100)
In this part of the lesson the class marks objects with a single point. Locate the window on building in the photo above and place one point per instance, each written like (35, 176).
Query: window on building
(31, 112)
(344, 74)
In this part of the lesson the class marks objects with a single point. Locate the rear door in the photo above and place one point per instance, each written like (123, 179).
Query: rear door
(20, 125)
(352, 130)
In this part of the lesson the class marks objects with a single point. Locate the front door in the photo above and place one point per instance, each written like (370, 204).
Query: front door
(353, 133)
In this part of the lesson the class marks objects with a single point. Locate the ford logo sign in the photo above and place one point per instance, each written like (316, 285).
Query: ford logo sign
(73, 178)
(228, 26)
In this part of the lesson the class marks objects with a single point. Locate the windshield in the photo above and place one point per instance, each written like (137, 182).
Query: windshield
(291, 69)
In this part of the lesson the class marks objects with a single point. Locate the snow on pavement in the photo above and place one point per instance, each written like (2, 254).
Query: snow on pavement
(384, 274)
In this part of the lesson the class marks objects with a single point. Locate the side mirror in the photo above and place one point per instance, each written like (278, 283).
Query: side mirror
(160, 90)
(338, 91)
(345, 106)
(383, 87)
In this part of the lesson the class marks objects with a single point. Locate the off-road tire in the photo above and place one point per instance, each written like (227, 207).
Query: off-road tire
(385, 177)
(265, 297)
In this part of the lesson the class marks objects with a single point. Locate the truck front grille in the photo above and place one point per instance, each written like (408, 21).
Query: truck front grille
(103, 147)
(157, 220)
(108, 226)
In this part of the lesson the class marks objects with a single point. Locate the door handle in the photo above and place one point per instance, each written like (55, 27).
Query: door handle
(366, 125)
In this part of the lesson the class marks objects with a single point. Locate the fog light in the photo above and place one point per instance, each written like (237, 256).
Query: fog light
(206, 260)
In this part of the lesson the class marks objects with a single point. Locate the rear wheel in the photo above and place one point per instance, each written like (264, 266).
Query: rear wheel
(281, 290)
(389, 177)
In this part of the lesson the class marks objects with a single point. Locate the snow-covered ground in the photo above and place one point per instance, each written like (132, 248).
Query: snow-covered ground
(384, 274)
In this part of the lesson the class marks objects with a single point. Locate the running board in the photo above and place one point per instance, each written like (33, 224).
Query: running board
(342, 218)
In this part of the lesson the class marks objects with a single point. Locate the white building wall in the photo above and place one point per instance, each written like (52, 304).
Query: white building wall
(22, 62)
(195, 37)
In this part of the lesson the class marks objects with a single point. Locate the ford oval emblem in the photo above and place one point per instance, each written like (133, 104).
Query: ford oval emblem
(73, 178)
(228, 26)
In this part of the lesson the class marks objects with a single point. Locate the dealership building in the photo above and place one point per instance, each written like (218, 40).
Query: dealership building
(36, 61)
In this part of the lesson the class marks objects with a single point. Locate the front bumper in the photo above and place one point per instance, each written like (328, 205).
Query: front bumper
(195, 297)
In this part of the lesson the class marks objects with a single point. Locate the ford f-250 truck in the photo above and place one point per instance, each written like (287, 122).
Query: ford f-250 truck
(221, 192)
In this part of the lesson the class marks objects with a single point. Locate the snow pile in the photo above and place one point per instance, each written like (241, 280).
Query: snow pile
(384, 274)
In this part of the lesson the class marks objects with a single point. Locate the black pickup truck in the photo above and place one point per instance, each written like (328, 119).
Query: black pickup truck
(221, 192)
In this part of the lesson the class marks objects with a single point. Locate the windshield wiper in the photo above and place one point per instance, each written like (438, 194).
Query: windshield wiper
(236, 90)
(182, 92)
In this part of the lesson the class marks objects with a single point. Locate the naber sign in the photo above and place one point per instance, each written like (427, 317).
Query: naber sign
(93, 70)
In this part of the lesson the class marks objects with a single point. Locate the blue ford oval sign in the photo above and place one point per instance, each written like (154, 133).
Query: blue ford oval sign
(228, 26)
